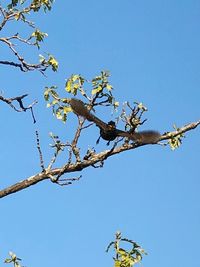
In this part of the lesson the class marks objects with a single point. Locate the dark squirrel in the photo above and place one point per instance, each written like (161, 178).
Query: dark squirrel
(108, 131)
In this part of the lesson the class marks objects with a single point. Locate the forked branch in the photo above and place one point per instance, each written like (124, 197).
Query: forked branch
(86, 162)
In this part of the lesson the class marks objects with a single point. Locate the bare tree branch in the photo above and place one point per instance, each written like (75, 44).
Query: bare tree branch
(40, 151)
(22, 108)
(5, 62)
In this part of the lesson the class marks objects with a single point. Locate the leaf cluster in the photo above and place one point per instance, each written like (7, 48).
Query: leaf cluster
(13, 259)
(99, 89)
(126, 257)
(35, 5)
(176, 141)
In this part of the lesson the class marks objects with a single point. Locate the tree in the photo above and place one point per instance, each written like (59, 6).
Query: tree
(99, 95)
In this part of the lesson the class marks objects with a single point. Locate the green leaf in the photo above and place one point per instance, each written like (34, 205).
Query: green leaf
(13, 4)
(97, 90)
(67, 109)
(46, 95)
(109, 87)
(53, 63)
(74, 84)
(65, 100)
(121, 251)
(116, 104)
(54, 102)
(64, 118)
(39, 36)
(75, 77)
(54, 94)
(68, 85)
(175, 142)
(123, 257)
(142, 107)
(117, 263)
(58, 114)
(37, 4)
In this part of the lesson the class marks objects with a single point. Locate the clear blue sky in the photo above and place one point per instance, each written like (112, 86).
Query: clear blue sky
(151, 194)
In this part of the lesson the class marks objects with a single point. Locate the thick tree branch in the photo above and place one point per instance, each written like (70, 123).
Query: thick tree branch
(181, 130)
(87, 162)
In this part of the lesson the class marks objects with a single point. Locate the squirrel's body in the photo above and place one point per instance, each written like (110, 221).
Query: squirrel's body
(108, 131)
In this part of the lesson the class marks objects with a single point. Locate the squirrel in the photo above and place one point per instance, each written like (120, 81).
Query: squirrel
(108, 131)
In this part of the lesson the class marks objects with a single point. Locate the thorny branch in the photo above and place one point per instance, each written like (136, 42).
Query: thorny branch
(87, 162)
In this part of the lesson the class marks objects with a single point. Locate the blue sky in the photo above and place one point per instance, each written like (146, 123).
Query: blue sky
(151, 194)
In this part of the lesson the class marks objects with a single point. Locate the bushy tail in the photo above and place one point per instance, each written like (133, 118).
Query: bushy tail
(144, 137)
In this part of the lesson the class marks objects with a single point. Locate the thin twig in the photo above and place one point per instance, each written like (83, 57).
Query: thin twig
(67, 181)
(40, 151)
(23, 65)
(19, 99)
